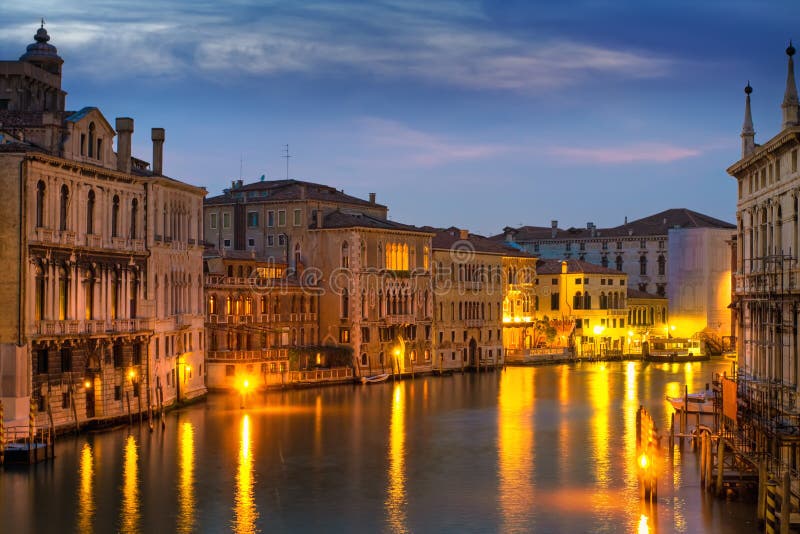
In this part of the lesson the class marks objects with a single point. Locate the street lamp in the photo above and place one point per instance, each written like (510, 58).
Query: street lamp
(597, 330)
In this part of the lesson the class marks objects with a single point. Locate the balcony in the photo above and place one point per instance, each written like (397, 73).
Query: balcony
(94, 241)
(257, 355)
(91, 327)
(401, 319)
(474, 323)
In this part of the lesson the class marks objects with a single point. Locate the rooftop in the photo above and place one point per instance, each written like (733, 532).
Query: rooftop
(573, 267)
(281, 190)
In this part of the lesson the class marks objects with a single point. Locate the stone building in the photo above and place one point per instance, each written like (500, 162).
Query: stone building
(102, 259)
(591, 297)
(256, 313)
(653, 252)
(648, 317)
(766, 292)
(372, 274)
(469, 290)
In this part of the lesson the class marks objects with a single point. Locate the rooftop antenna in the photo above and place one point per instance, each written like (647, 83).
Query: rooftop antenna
(287, 156)
(241, 164)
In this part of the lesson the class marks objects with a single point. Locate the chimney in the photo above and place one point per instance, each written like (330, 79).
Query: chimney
(157, 135)
(124, 133)
(553, 228)
(626, 219)
(319, 218)
(302, 191)
(564, 267)
(372, 198)
(463, 234)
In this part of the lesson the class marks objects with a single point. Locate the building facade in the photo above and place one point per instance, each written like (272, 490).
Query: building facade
(590, 299)
(651, 251)
(258, 318)
(766, 291)
(468, 292)
(98, 287)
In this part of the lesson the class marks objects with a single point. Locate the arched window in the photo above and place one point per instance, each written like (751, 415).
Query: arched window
(40, 189)
(212, 305)
(345, 255)
(662, 265)
(296, 257)
(114, 295)
(619, 263)
(39, 295)
(63, 208)
(134, 216)
(587, 301)
(364, 359)
(90, 212)
(228, 306)
(577, 301)
(345, 303)
(63, 293)
(115, 216)
(425, 257)
(603, 301)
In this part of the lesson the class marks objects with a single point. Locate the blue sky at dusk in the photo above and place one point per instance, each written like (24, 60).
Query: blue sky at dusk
(474, 114)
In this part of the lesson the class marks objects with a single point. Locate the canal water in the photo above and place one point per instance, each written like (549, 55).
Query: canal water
(545, 449)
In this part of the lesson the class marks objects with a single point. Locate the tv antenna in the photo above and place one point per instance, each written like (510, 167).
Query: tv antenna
(287, 156)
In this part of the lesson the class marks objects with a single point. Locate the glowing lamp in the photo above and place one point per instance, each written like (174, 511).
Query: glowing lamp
(87, 384)
(131, 374)
(246, 384)
(644, 461)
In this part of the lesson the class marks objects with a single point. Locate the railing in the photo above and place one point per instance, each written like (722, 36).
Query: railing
(537, 355)
(474, 323)
(258, 355)
(765, 281)
(73, 327)
(321, 375)
(401, 319)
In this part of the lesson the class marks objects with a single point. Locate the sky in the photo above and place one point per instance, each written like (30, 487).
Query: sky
(479, 115)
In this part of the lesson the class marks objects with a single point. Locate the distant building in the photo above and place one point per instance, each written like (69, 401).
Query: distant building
(102, 259)
(647, 317)
(588, 297)
(470, 296)
(651, 252)
(372, 275)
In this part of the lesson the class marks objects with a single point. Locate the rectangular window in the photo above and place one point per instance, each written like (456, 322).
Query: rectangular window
(281, 217)
(569, 246)
(554, 281)
(344, 335)
(41, 361)
(270, 240)
(605, 245)
(251, 242)
(65, 400)
(66, 360)
(117, 393)
(365, 334)
(554, 298)
(583, 246)
(536, 247)
(226, 220)
(213, 221)
(252, 219)
(226, 243)
(619, 245)
(297, 216)
(578, 281)
(270, 219)
(4, 104)
(282, 240)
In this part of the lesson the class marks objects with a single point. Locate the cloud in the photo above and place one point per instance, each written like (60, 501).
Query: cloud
(451, 43)
(634, 153)
(409, 146)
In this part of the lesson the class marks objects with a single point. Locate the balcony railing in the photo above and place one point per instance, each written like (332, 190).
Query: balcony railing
(95, 326)
(258, 355)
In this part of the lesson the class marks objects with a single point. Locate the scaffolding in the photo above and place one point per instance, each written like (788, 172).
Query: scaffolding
(767, 425)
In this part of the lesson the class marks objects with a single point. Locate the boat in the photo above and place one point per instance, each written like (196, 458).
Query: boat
(673, 350)
(375, 379)
(702, 403)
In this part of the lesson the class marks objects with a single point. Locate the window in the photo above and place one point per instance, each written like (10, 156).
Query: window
(345, 263)
(281, 217)
(365, 334)
(344, 335)
(270, 240)
(134, 216)
(662, 265)
(582, 246)
(345, 304)
(66, 359)
(619, 245)
(117, 353)
(554, 298)
(90, 212)
(297, 217)
(251, 242)
(63, 293)
(64, 206)
(252, 219)
(99, 149)
(65, 400)
(137, 354)
(115, 216)
(282, 240)
(619, 263)
(604, 261)
(91, 139)
(213, 221)
(270, 219)
(605, 245)
(83, 144)
(568, 246)
(643, 265)
(554, 281)
(226, 243)
(40, 189)
(41, 361)
(117, 393)
(230, 370)
(226, 220)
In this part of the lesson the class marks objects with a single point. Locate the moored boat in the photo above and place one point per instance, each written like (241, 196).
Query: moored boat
(375, 379)
(697, 403)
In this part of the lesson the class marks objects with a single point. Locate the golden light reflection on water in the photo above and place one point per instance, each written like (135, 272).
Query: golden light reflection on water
(396, 492)
(599, 400)
(630, 405)
(515, 448)
(318, 427)
(85, 491)
(130, 512)
(245, 513)
(186, 498)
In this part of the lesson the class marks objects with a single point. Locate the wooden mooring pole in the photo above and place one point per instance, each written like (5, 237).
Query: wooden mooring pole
(786, 502)
(128, 400)
(762, 489)
(720, 465)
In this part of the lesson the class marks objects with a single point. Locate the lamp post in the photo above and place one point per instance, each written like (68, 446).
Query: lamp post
(597, 330)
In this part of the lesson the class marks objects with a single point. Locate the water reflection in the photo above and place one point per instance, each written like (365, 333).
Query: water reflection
(186, 499)
(245, 511)
(599, 400)
(130, 513)
(515, 449)
(85, 491)
(396, 498)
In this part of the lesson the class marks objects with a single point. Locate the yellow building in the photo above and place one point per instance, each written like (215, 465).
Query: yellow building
(647, 317)
(520, 301)
(589, 297)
